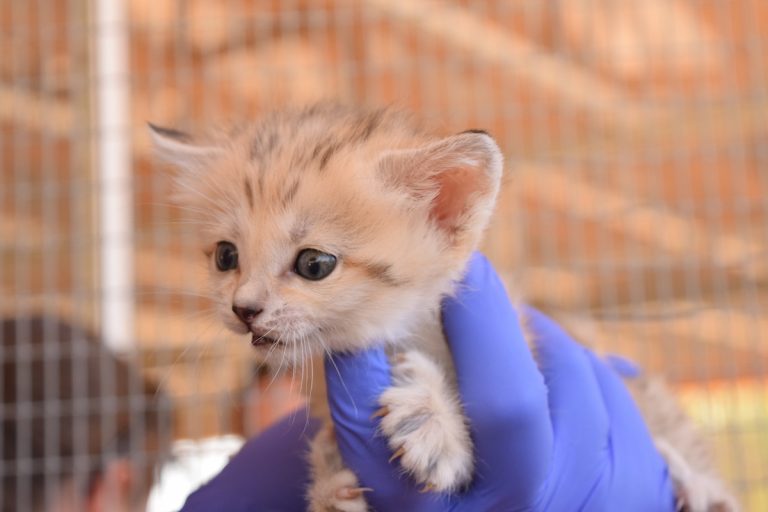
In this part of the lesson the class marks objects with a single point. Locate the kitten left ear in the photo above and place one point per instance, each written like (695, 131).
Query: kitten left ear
(179, 149)
(457, 177)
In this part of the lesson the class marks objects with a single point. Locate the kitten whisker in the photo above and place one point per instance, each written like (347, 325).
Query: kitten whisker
(175, 291)
(305, 355)
(298, 363)
(290, 368)
(341, 379)
(311, 382)
(279, 368)
(186, 186)
(269, 352)
(308, 360)
(188, 346)
(264, 336)
(209, 313)
(186, 222)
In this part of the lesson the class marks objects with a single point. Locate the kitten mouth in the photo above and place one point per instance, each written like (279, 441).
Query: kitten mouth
(261, 340)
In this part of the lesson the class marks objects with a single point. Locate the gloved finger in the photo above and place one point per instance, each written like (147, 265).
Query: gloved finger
(631, 441)
(355, 382)
(579, 417)
(623, 366)
(625, 417)
(501, 389)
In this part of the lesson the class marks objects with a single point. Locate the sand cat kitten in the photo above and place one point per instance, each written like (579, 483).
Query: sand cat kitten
(330, 229)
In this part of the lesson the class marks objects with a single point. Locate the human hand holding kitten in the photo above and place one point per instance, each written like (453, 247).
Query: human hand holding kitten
(574, 440)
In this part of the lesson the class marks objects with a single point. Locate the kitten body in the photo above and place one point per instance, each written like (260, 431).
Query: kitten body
(395, 213)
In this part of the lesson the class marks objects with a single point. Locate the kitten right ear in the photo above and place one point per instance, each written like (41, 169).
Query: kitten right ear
(456, 178)
(179, 149)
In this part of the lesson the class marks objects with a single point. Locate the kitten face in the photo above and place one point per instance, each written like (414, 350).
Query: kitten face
(330, 228)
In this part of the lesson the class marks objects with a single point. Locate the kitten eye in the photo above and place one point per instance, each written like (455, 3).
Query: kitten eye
(314, 265)
(226, 256)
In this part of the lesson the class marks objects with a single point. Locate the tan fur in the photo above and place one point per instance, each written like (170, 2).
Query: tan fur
(678, 440)
(401, 209)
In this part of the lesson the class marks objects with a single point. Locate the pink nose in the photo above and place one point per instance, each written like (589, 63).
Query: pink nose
(246, 314)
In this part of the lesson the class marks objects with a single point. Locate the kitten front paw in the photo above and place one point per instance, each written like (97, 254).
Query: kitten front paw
(424, 425)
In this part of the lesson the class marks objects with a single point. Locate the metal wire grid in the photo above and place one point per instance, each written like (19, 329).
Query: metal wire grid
(634, 134)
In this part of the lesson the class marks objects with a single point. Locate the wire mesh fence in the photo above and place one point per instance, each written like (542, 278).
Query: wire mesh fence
(636, 139)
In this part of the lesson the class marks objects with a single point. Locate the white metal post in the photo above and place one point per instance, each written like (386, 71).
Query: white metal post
(112, 98)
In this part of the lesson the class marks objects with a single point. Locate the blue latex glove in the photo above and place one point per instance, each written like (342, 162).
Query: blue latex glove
(563, 437)
(269, 474)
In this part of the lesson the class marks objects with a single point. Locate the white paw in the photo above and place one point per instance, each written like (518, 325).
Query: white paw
(334, 488)
(339, 492)
(424, 425)
(697, 491)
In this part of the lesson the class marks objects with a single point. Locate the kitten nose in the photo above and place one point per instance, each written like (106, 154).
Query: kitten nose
(246, 314)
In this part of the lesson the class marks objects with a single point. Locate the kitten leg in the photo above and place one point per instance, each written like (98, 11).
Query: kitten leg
(682, 445)
(697, 491)
(334, 488)
(424, 424)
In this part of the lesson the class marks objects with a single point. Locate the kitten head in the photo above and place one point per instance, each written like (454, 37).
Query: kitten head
(332, 228)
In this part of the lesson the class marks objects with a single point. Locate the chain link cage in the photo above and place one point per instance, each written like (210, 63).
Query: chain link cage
(636, 136)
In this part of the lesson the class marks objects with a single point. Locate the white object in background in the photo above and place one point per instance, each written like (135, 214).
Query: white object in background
(112, 98)
(192, 464)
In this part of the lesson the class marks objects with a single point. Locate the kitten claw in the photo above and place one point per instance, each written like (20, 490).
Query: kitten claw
(428, 488)
(425, 427)
(380, 413)
(351, 493)
(399, 453)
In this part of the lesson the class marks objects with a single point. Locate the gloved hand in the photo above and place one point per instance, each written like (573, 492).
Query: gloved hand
(268, 474)
(561, 437)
